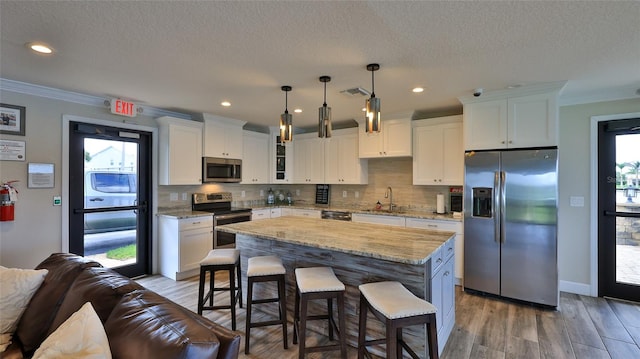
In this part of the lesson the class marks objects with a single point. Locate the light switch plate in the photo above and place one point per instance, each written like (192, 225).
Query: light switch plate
(357, 194)
(297, 192)
(173, 196)
(243, 194)
(576, 201)
(344, 194)
(184, 196)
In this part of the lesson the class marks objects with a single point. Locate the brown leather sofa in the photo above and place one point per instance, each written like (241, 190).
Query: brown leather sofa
(138, 322)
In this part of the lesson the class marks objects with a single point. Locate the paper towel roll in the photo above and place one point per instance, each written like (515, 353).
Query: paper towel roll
(440, 203)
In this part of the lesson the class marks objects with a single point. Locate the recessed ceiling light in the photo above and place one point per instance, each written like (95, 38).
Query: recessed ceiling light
(225, 103)
(39, 47)
(418, 89)
(298, 110)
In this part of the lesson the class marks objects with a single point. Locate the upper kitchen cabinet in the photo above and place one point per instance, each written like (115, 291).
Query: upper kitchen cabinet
(438, 154)
(519, 118)
(394, 139)
(180, 152)
(255, 160)
(281, 158)
(341, 162)
(308, 159)
(222, 137)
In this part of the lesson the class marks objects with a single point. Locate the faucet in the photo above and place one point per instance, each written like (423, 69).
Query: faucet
(389, 194)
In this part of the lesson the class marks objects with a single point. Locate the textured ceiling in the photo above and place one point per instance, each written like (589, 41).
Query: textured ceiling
(188, 56)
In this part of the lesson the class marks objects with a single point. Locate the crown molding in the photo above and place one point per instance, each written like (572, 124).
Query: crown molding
(622, 93)
(533, 89)
(78, 98)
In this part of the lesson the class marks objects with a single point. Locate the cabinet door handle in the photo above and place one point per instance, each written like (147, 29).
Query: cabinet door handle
(432, 225)
(450, 249)
(446, 274)
(503, 142)
(439, 260)
(510, 141)
(195, 222)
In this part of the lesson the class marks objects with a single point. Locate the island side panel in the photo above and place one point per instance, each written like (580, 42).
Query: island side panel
(352, 270)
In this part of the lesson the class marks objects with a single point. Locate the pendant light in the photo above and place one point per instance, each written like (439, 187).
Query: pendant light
(324, 113)
(372, 114)
(286, 120)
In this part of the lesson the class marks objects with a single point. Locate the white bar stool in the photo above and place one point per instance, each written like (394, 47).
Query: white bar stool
(266, 269)
(319, 283)
(396, 307)
(221, 260)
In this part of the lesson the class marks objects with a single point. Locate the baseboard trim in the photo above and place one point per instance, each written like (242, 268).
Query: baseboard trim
(575, 287)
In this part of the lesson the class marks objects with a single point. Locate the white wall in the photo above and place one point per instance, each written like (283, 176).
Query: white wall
(574, 247)
(36, 231)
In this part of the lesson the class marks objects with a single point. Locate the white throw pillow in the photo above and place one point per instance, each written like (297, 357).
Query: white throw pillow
(80, 336)
(17, 286)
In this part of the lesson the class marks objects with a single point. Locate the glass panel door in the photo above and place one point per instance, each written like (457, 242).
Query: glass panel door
(619, 209)
(109, 178)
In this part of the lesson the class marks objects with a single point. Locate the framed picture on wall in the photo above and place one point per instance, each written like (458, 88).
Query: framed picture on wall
(12, 119)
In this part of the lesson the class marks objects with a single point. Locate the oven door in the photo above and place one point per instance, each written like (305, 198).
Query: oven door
(227, 240)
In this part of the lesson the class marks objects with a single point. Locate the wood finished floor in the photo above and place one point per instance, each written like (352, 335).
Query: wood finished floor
(584, 327)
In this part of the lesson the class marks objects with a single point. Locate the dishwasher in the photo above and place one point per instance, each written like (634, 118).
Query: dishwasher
(336, 215)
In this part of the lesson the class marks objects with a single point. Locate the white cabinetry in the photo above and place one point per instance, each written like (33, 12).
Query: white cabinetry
(255, 159)
(276, 212)
(450, 226)
(281, 158)
(378, 219)
(443, 291)
(512, 119)
(438, 154)
(308, 159)
(258, 214)
(300, 212)
(180, 152)
(182, 243)
(341, 162)
(394, 139)
(222, 137)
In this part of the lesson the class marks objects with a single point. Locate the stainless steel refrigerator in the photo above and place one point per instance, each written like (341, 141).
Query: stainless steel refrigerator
(510, 224)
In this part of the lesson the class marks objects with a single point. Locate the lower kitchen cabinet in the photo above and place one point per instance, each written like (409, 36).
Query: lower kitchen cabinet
(451, 226)
(258, 214)
(378, 219)
(182, 243)
(301, 212)
(443, 291)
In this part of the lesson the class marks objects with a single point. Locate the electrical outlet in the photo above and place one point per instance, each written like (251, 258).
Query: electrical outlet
(184, 196)
(261, 193)
(297, 192)
(173, 196)
(243, 194)
(576, 201)
(357, 194)
(344, 194)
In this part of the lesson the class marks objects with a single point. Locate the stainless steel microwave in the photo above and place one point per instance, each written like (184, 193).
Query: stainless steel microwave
(221, 170)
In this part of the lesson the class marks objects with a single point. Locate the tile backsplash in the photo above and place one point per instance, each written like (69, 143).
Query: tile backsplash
(395, 173)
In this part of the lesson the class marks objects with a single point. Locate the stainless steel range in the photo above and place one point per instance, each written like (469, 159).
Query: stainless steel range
(220, 205)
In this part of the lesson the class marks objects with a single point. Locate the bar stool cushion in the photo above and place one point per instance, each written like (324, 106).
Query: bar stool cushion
(221, 256)
(317, 279)
(264, 265)
(395, 301)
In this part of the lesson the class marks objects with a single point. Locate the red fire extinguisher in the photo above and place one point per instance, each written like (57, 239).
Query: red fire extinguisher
(7, 201)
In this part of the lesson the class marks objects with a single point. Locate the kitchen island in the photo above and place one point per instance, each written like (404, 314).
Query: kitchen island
(422, 260)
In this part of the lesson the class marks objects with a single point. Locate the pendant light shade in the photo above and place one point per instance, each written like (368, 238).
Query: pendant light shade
(372, 114)
(324, 113)
(286, 119)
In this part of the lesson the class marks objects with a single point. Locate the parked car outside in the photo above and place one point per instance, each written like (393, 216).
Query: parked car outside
(105, 189)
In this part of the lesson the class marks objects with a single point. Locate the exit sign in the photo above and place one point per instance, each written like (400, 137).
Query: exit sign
(123, 108)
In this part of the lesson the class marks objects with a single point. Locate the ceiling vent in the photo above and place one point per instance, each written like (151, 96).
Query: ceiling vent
(355, 91)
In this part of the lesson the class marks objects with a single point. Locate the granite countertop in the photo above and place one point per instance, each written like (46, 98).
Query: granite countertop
(397, 244)
(182, 213)
(409, 213)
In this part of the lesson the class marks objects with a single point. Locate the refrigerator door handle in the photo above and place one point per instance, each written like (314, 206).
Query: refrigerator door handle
(495, 211)
(503, 203)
